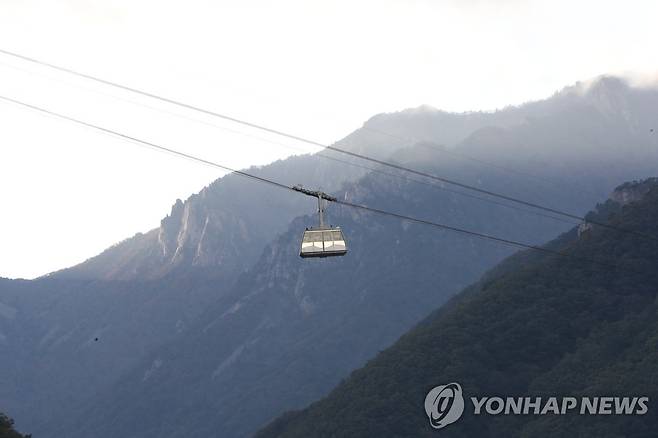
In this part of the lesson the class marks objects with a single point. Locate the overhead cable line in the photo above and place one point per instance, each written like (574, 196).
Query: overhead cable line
(296, 189)
(328, 147)
(196, 120)
(421, 142)
(319, 154)
(140, 141)
(431, 184)
(430, 145)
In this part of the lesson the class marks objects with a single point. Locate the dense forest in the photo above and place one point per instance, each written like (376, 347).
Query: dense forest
(537, 325)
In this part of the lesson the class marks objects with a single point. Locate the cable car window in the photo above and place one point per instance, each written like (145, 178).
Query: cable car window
(328, 242)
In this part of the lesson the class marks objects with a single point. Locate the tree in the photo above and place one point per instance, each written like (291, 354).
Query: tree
(7, 428)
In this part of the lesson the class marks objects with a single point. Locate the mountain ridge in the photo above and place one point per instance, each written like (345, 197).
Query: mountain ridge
(144, 256)
(516, 325)
(139, 256)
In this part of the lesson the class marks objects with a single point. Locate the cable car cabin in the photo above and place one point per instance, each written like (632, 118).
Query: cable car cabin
(323, 242)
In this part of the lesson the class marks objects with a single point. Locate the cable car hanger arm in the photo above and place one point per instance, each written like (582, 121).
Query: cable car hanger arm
(314, 193)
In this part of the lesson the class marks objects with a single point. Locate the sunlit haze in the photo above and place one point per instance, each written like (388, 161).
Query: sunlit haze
(315, 69)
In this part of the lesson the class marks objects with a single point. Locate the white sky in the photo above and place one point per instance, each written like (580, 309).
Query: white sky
(314, 68)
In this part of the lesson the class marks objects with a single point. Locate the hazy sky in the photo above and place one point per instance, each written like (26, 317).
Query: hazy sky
(318, 69)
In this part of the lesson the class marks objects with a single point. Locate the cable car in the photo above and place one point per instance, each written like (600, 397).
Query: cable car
(322, 241)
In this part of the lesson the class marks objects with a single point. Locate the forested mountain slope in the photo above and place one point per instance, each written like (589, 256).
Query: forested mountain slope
(538, 325)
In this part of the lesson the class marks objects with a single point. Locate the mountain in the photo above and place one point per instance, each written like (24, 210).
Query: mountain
(226, 226)
(293, 326)
(223, 228)
(537, 325)
(219, 229)
(149, 289)
(291, 329)
(214, 311)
